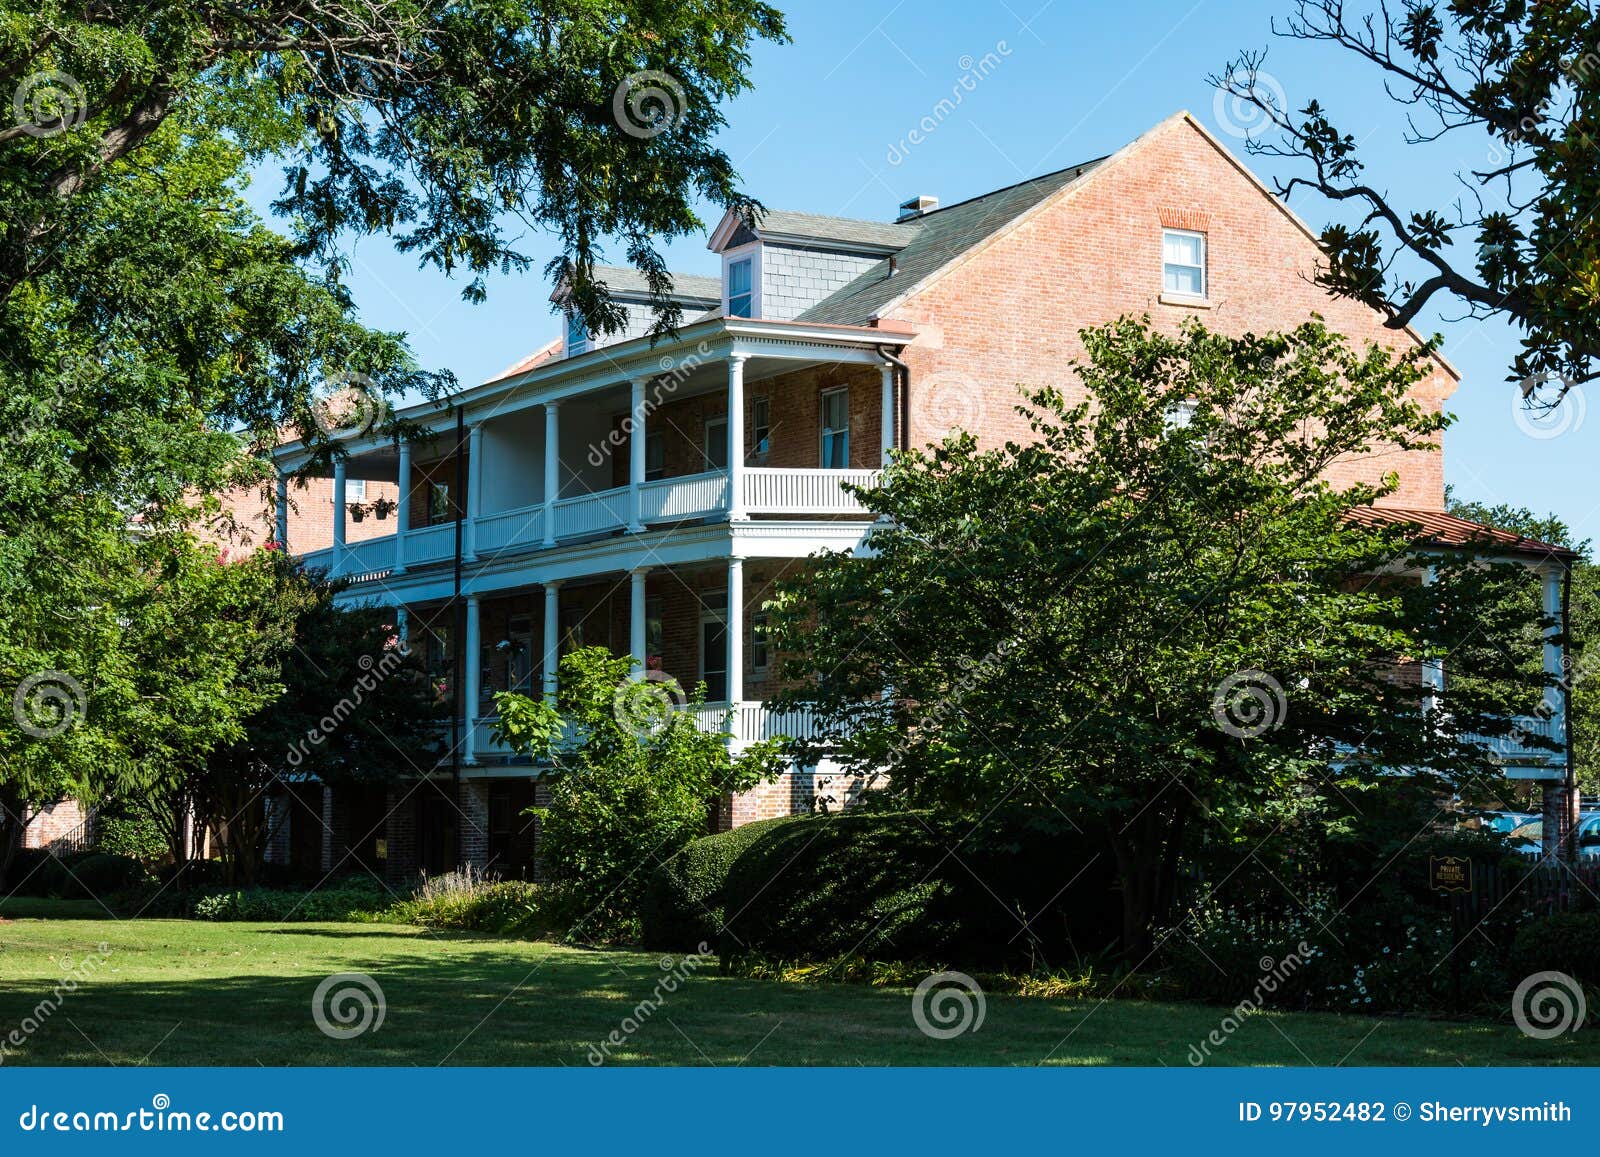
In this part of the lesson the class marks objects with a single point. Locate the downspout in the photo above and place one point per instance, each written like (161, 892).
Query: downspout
(903, 402)
(458, 628)
(1570, 793)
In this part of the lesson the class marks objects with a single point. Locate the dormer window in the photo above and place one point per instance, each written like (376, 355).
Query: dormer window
(741, 294)
(577, 335)
(1183, 263)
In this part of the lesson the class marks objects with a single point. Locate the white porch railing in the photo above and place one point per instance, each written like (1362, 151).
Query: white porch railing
(766, 491)
(671, 499)
(778, 491)
(1514, 750)
(752, 721)
(593, 513)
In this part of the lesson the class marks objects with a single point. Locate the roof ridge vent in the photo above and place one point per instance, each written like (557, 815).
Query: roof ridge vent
(917, 206)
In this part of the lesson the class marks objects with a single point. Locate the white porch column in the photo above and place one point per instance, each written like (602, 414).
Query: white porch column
(1432, 669)
(472, 664)
(636, 627)
(552, 470)
(888, 412)
(340, 515)
(469, 532)
(1554, 652)
(402, 628)
(636, 454)
(735, 631)
(552, 639)
(280, 528)
(402, 509)
(736, 437)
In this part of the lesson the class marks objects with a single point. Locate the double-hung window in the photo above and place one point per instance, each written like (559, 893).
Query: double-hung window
(836, 430)
(741, 293)
(1183, 263)
(760, 430)
(577, 335)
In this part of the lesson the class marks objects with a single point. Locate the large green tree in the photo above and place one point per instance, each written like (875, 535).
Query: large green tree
(1155, 614)
(1523, 243)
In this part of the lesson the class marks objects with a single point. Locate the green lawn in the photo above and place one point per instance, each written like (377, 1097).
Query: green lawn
(182, 993)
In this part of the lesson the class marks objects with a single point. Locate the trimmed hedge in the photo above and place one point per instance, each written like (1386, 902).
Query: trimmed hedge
(80, 876)
(683, 902)
(348, 901)
(1567, 942)
(898, 886)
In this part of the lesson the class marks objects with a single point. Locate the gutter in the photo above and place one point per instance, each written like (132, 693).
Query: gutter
(903, 389)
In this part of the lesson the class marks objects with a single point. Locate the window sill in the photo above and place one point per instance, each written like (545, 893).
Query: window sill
(1186, 300)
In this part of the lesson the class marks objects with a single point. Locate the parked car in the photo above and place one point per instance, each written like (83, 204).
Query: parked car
(1528, 838)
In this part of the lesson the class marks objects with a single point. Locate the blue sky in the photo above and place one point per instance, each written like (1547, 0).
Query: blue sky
(824, 131)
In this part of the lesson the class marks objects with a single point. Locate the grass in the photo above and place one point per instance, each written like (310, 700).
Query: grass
(170, 992)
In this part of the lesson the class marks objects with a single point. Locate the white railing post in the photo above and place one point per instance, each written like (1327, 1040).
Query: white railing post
(888, 412)
(1432, 669)
(1554, 654)
(472, 662)
(552, 468)
(552, 639)
(339, 516)
(402, 507)
(736, 438)
(636, 453)
(280, 528)
(469, 536)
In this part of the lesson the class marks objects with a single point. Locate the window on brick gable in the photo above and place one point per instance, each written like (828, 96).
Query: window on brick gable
(1183, 262)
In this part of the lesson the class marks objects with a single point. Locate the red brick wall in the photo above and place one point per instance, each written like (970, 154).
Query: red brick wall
(54, 822)
(1009, 315)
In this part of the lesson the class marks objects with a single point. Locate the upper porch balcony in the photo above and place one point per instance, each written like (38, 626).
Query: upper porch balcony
(736, 420)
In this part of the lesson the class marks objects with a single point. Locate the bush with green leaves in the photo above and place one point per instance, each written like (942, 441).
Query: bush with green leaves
(136, 836)
(468, 902)
(342, 901)
(638, 781)
(1567, 942)
(683, 901)
(1023, 890)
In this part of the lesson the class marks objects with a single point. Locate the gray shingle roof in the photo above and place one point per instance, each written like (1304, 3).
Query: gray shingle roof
(850, 230)
(627, 280)
(939, 238)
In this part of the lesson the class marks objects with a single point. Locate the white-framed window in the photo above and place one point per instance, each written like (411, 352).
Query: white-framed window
(655, 456)
(715, 447)
(355, 489)
(835, 421)
(741, 287)
(760, 649)
(760, 431)
(1179, 415)
(577, 335)
(1183, 262)
(714, 645)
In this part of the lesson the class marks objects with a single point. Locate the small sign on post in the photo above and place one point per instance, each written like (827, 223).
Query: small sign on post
(1450, 873)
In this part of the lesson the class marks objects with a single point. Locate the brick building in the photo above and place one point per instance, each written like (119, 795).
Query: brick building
(644, 496)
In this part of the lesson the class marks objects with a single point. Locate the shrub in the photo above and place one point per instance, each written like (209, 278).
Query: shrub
(683, 901)
(463, 903)
(136, 836)
(1568, 942)
(33, 872)
(95, 875)
(347, 900)
(1023, 889)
